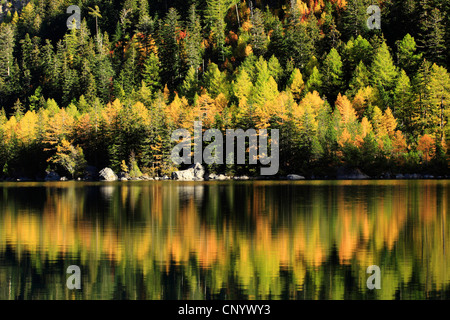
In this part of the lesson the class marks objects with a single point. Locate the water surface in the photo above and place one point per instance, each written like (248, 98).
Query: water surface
(225, 240)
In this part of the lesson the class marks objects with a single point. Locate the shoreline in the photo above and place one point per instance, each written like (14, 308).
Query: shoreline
(198, 172)
(234, 179)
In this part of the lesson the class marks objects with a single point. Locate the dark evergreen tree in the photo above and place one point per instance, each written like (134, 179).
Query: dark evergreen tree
(151, 72)
(259, 38)
(170, 56)
(194, 51)
(354, 18)
(332, 75)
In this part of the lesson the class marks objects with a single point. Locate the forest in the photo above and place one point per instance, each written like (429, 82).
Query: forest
(111, 92)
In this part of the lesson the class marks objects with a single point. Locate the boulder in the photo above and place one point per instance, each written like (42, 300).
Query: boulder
(90, 173)
(295, 177)
(193, 173)
(212, 176)
(199, 171)
(183, 175)
(24, 179)
(107, 174)
(386, 175)
(350, 174)
(123, 176)
(52, 176)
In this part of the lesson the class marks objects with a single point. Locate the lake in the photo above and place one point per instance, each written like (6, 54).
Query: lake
(225, 240)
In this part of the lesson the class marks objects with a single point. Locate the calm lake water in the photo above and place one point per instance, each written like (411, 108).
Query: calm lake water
(225, 240)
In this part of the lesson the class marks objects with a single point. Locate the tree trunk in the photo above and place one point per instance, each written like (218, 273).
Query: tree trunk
(237, 15)
(442, 118)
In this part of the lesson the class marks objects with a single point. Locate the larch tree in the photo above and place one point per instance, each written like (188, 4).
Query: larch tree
(359, 80)
(332, 74)
(315, 82)
(151, 72)
(296, 84)
(403, 98)
(407, 57)
(215, 81)
(190, 85)
(243, 88)
(440, 96)
(95, 12)
(384, 73)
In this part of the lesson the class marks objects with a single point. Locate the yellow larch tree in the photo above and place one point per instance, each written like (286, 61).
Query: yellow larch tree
(426, 145)
(296, 84)
(59, 127)
(27, 128)
(346, 109)
(389, 122)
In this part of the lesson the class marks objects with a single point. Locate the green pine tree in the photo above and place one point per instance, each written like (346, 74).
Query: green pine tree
(259, 40)
(407, 58)
(315, 82)
(194, 50)
(151, 72)
(332, 74)
(384, 73)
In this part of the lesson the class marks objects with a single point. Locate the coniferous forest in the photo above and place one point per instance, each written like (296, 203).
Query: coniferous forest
(111, 92)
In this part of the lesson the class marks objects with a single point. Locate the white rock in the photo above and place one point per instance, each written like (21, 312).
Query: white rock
(107, 174)
(295, 177)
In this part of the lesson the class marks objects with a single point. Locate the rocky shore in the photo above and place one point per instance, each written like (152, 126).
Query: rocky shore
(197, 172)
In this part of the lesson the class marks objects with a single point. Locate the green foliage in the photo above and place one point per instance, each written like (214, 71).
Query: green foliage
(259, 38)
(360, 79)
(169, 47)
(215, 81)
(233, 62)
(151, 72)
(315, 82)
(332, 74)
(384, 73)
(432, 34)
(215, 13)
(194, 50)
(408, 60)
(134, 170)
(354, 18)
(70, 158)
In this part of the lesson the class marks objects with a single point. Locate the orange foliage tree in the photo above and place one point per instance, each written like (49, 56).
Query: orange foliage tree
(427, 146)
